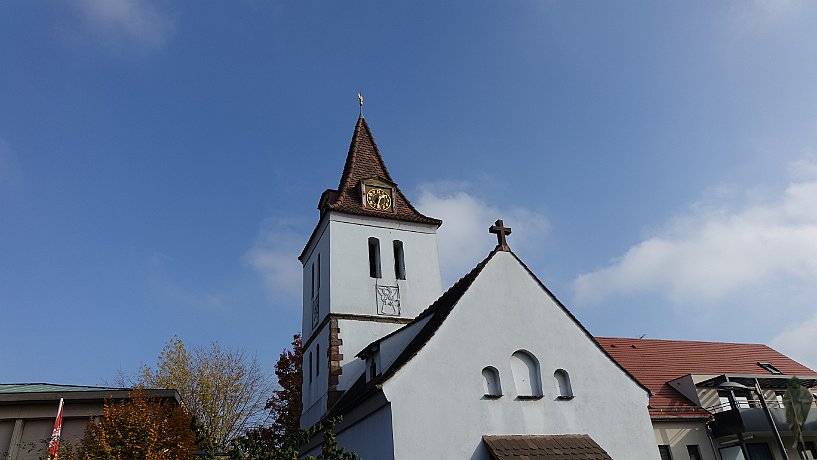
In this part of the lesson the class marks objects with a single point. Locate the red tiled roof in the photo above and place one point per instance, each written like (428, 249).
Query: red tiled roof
(655, 362)
(365, 162)
(552, 447)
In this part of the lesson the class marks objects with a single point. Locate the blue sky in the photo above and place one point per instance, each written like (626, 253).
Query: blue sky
(160, 163)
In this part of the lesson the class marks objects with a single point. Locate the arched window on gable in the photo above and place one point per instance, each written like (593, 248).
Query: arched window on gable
(490, 382)
(563, 382)
(374, 257)
(526, 376)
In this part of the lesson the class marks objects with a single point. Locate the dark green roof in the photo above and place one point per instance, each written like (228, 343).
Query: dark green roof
(7, 388)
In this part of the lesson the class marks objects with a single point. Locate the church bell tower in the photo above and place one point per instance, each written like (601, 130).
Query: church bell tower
(369, 267)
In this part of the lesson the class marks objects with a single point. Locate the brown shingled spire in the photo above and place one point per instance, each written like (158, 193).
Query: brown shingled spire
(365, 167)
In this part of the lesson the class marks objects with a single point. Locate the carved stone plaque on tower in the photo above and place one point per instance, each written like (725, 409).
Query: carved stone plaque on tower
(388, 300)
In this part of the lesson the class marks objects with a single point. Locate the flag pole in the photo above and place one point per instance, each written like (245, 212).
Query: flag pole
(54, 442)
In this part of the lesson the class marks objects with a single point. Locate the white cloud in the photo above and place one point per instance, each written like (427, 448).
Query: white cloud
(752, 265)
(764, 13)
(126, 25)
(274, 256)
(463, 239)
(799, 341)
(711, 254)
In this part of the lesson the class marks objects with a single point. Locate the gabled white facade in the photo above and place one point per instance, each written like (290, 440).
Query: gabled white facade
(435, 405)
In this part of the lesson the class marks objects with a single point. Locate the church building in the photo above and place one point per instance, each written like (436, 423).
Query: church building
(494, 367)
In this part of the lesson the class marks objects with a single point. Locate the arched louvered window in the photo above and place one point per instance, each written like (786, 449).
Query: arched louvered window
(563, 382)
(374, 257)
(526, 376)
(490, 382)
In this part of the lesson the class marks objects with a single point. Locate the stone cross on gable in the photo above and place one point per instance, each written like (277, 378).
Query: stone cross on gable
(501, 231)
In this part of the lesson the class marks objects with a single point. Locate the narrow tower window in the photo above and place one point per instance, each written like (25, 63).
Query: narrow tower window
(374, 257)
(318, 359)
(312, 292)
(319, 274)
(399, 261)
(310, 367)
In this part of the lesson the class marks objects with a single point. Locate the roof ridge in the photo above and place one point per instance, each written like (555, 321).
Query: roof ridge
(579, 323)
(442, 306)
(684, 341)
(364, 161)
(351, 157)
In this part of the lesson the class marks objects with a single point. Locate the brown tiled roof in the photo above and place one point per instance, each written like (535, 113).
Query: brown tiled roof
(655, 362)
(551, 447)
(365, 162)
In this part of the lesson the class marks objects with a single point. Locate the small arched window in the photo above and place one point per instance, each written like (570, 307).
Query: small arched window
(399, 261)
(563, 382)
(490, 382)
(526, 377)
(374, 257)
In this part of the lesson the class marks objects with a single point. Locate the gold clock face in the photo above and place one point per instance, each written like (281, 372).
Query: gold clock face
(378, 198)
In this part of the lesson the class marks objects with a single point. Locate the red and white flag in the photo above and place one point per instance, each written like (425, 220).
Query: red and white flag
(54, 442)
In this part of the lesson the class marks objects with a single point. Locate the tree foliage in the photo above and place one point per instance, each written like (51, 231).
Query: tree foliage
(285, 404)
(224, 390)
(137, 429)
(797, 400)
(282, 438)
(246, 448)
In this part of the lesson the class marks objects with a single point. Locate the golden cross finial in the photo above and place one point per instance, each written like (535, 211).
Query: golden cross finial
(360, 98)
(500, 230)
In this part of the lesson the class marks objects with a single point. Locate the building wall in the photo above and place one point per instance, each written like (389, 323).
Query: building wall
(346, 288)
(679, 434)
(371, 438)
(320, 245)
(438, 404)
(37, 423)
(353, 290)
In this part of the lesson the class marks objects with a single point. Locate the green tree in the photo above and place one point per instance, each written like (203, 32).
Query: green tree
(246, 448)
(137, 429)
(224, 390)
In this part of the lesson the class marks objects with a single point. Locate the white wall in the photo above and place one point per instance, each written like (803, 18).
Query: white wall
(320, 245)
(356, 335)
(679, 434)
(314, 394)
(353, 291)
(371, 438)
(437, 398)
